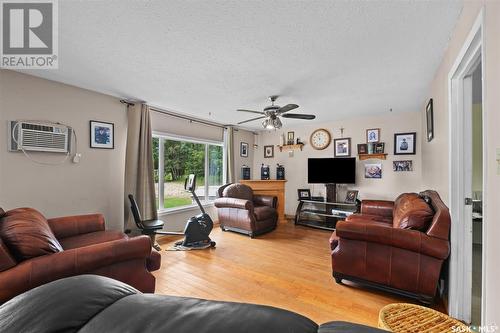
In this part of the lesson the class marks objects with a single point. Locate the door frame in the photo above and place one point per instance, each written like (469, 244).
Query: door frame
(460, 268)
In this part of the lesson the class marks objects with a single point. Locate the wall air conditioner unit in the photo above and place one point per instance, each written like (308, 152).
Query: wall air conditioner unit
(38, 136)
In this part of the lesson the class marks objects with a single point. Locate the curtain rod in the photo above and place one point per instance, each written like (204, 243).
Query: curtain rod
(176, 115)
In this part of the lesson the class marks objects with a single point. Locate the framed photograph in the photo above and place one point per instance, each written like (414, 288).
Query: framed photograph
(342, 147)
(362, 148)
(351, 197)
(405, 143)
(429, 113)
(290, 138)
(402, 166)
(379, 147)
(373, 170)
(304, 194)
(243, 149)
(268, 151)
(102, 135)
(373, 135)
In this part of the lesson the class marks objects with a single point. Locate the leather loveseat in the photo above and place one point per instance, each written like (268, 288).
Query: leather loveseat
(242, 211)
(34, 251)
(396, 246)
(90, 303)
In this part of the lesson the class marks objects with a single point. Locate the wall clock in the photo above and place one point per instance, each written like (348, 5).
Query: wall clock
(320, 139)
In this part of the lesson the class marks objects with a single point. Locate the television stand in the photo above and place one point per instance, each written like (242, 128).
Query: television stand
(323, 214)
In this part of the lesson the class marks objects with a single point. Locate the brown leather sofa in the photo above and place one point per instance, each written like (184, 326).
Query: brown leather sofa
(396, 246)
(34, 251)
(241, 211)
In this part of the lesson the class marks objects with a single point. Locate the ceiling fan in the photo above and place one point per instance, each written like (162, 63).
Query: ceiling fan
(272, 113)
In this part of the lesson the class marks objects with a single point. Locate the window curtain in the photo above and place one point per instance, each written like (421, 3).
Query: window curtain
(229, 147)
(139, 178)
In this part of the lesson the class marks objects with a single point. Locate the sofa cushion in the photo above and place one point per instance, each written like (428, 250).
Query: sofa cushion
(239, 191)
(264, 213)
(27, 234)
(91, 238)
(412, 212)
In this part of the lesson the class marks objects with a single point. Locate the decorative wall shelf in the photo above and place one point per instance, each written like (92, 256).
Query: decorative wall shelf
(291, 147)
(371, 156)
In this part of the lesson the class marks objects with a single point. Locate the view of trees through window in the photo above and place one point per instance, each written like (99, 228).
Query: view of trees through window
(175, 159)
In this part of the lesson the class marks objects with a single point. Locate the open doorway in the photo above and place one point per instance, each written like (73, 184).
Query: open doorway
(467, 178)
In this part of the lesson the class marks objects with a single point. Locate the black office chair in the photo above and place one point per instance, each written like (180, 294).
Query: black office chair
(148, 227)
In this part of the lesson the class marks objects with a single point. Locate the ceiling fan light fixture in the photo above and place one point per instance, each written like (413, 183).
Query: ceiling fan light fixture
(277, 123)
(267, 124)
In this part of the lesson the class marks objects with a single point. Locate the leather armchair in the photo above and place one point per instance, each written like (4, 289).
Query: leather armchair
(395, 246)
(241, 211)
(83, 246)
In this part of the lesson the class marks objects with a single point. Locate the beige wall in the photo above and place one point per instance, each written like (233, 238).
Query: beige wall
(241, 135)
(435, 154)
(391, 184)
(93, 185)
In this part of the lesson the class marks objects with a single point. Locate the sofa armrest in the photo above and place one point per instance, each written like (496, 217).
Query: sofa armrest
(411, 240)
(265, 200)
(233, 203)
(377, 207)
(40, 270)
(68, 226)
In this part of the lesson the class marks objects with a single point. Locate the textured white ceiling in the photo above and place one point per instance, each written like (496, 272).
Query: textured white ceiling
(336, 59)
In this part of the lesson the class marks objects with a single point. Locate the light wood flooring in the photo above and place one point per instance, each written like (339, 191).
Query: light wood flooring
(288, 268)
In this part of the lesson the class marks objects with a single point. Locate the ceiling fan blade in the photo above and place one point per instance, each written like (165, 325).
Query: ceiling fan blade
(286, 108)
(249, 120)
(243, 110)
(299, 116)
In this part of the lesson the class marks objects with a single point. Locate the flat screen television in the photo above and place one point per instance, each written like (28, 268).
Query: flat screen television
(331, 170)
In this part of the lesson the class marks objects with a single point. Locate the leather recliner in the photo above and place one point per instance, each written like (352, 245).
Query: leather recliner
(34, 251)
(241, 211)
(395, 246)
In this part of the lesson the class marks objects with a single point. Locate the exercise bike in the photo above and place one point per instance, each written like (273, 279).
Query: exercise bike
(196, 232)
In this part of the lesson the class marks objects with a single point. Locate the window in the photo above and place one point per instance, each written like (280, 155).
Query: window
(174, 159)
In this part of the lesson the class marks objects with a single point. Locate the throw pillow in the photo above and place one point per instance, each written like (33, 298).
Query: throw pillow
(27, 234)
(412, 212)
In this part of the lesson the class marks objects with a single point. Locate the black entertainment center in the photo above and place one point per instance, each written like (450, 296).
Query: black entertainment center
(328, 171)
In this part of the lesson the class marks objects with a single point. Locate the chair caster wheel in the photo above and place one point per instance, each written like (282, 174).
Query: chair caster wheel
(338, 280)
(222, 228)
(212, 244)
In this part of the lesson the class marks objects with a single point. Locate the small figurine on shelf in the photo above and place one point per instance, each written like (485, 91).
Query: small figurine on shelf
(299, 142)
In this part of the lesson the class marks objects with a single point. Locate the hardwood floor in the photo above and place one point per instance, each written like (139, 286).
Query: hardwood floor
(288, 268)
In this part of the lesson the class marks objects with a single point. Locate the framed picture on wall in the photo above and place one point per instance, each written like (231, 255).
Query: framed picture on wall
(373, 170)
(102, 135)
(268, 151)
(373, 135)
(342, 147)
(429, 115)
(405, 143)
(243, 149)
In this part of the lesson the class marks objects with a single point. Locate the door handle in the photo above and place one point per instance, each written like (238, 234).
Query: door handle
(468, 201)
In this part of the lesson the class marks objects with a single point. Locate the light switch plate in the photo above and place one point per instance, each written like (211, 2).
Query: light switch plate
(498, 161)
